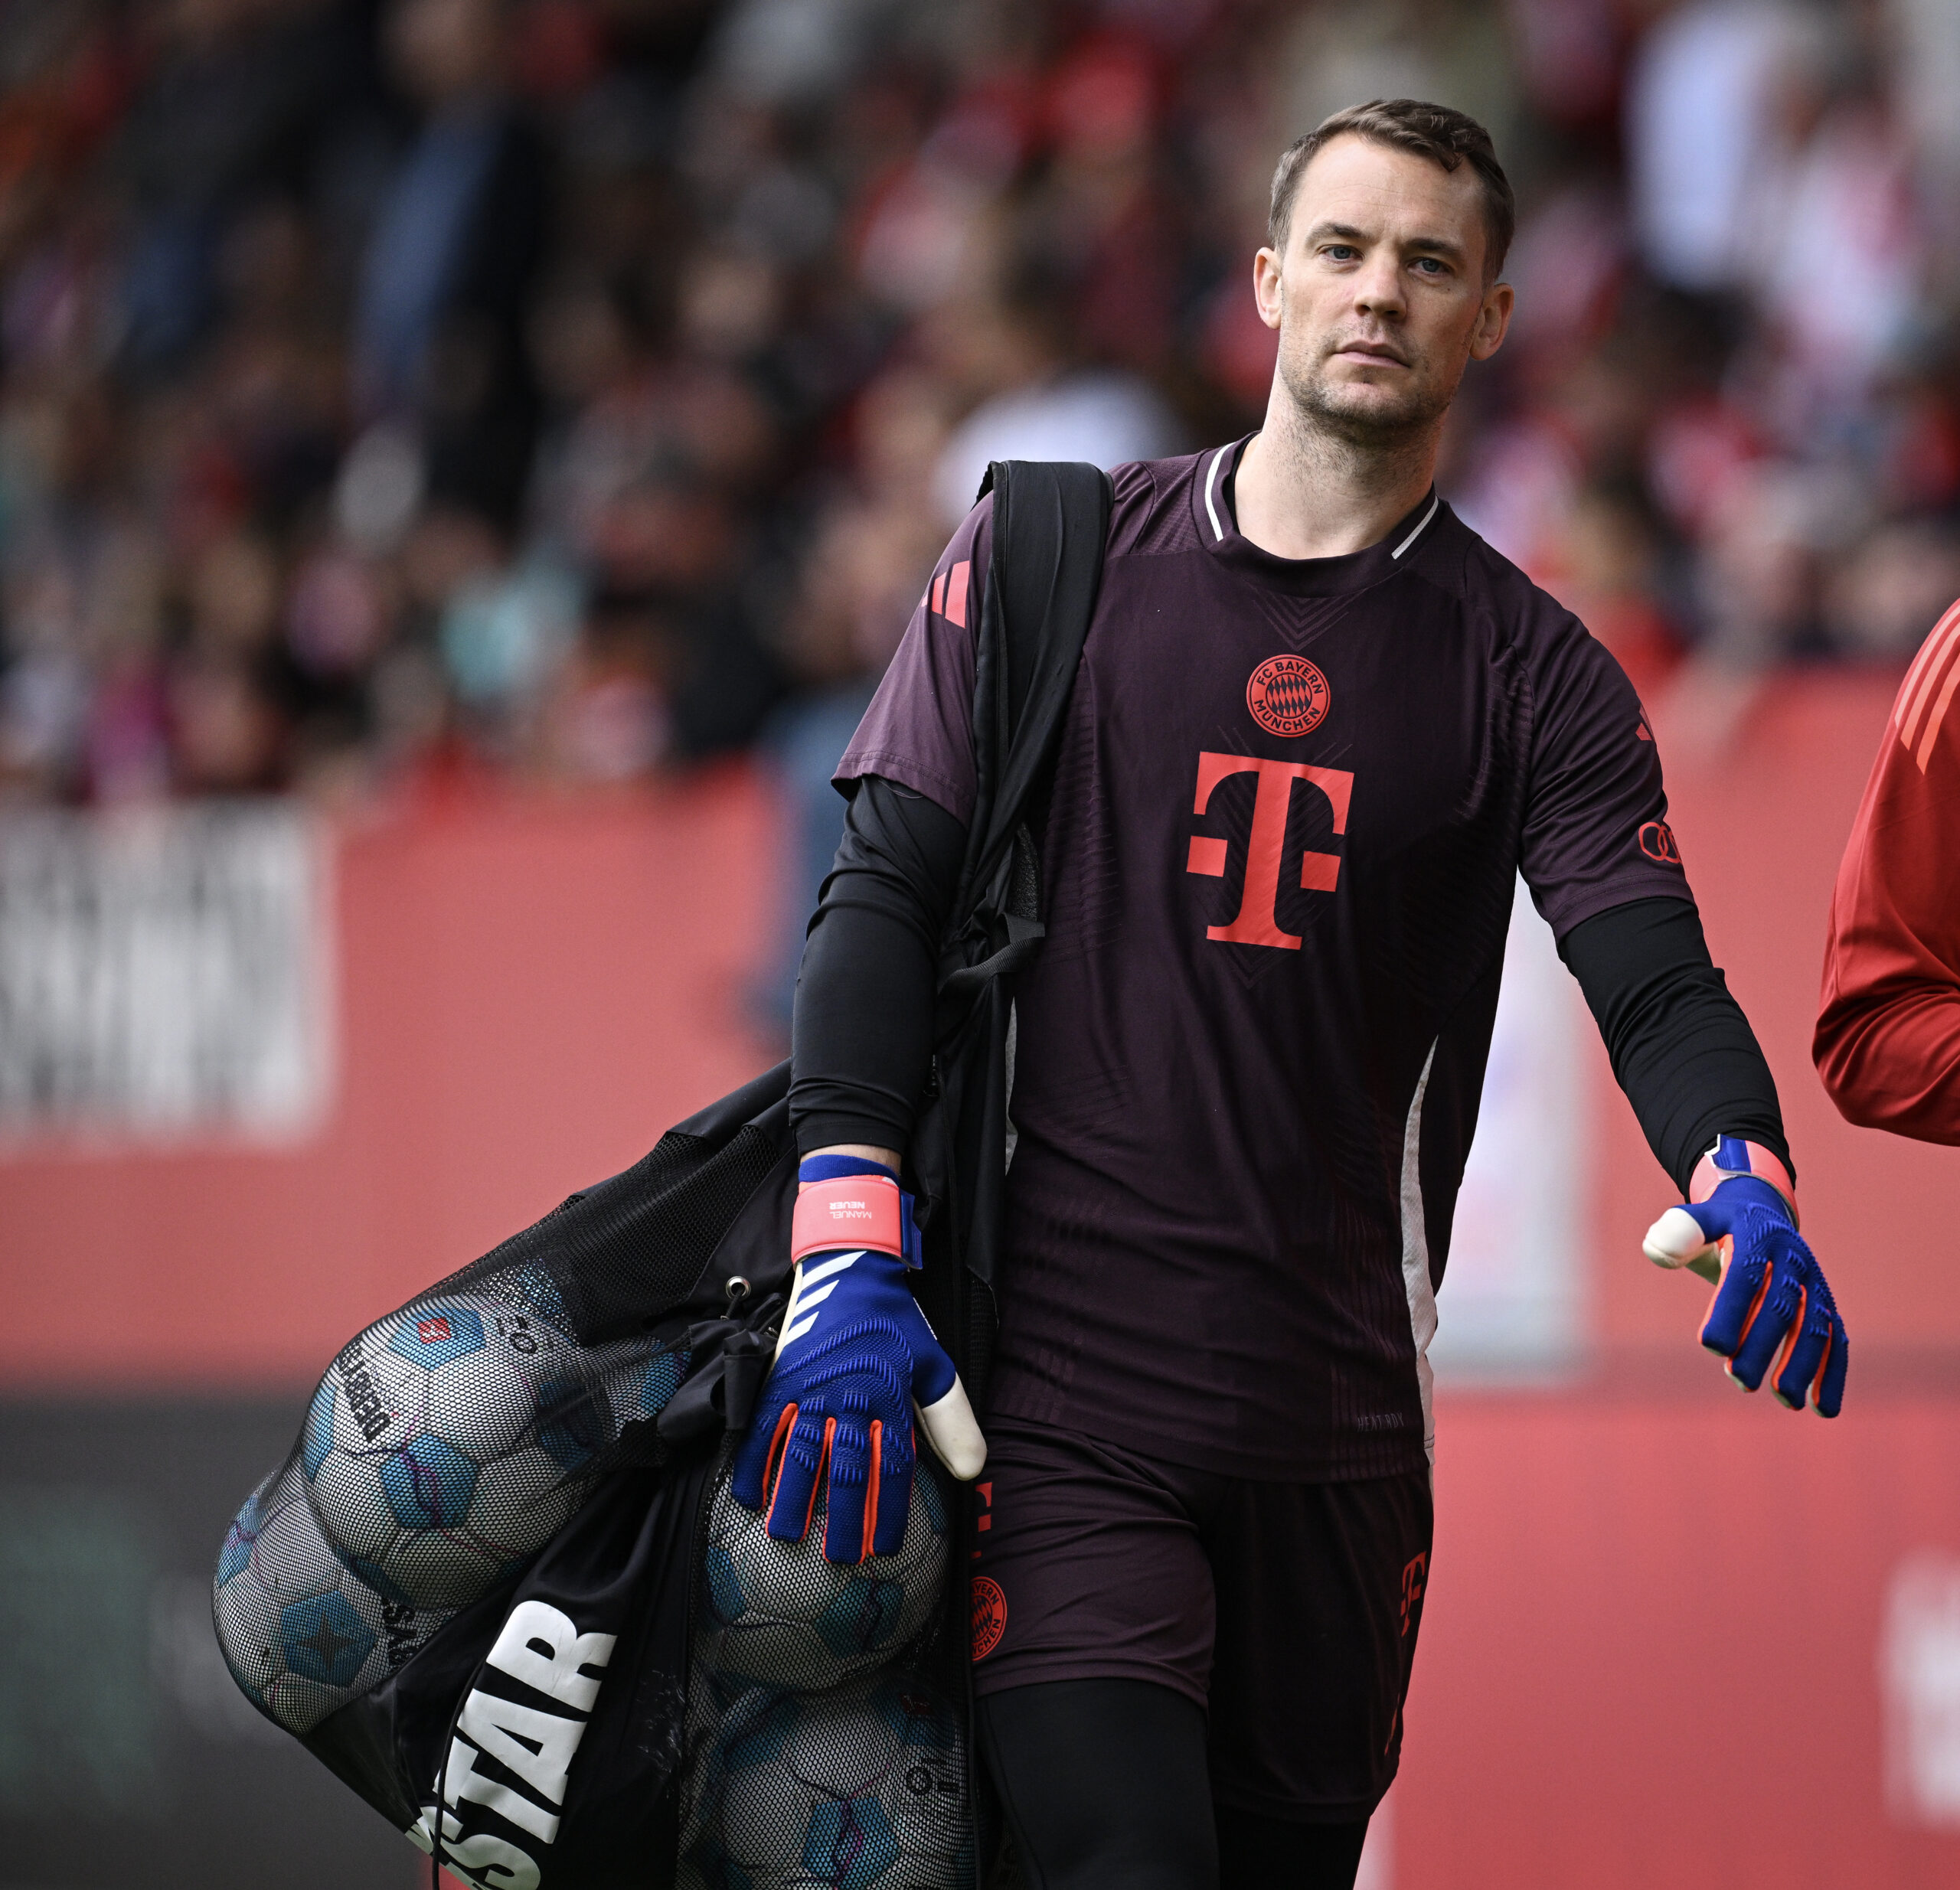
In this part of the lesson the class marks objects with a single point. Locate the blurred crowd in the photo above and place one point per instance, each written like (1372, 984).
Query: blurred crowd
(399, 392)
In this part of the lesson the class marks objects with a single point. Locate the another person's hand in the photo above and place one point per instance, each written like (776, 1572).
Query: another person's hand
(1773, 1309)
(855, 1358)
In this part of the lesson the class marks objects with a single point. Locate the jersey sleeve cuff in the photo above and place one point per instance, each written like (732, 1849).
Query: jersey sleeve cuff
(1566, 919)
(908, 774)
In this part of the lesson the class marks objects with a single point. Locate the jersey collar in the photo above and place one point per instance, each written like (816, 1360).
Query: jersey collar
(1218, 532)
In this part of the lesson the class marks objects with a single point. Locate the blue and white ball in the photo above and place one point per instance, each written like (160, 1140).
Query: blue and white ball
(778, 1614)
(863, 1788)
(640, 1378)
(302, 1635)
(448, 1443)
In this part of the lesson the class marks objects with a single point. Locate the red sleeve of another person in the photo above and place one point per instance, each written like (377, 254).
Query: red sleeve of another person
(1888, 1032)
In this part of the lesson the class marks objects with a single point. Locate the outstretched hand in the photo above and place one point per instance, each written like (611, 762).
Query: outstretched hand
(1772, 1312)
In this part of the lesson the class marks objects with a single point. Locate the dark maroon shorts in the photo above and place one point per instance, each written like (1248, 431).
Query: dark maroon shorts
(1289, 1611)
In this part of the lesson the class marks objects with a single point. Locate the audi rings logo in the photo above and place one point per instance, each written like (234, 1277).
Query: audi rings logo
(1657, 841)
(1288, 696)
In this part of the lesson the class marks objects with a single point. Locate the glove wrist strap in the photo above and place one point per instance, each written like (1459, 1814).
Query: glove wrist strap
(1732, 1156)
(862, 1211)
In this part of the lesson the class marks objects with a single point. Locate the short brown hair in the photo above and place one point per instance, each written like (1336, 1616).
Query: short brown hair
(1435, 132)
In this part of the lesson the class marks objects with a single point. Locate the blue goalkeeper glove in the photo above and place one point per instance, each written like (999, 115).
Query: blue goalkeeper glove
(855, 1357)
(1772, 1310)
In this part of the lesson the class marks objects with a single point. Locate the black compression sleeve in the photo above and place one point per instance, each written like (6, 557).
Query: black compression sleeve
(1681, 1046)
(862, 1038)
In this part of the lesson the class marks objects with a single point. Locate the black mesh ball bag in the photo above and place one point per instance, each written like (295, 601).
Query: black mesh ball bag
(501, 1588)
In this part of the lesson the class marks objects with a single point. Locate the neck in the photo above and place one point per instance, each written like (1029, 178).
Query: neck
(1303, 491)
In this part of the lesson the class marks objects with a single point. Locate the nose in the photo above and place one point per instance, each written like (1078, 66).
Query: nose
(1378, 289)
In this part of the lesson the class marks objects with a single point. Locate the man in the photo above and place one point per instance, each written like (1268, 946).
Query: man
(1888, 1033)
(1318, 729)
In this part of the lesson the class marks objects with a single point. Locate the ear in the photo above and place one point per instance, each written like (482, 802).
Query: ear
(1493, 320)
(1266, 289)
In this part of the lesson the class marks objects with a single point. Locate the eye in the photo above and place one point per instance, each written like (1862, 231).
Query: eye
(1431, 266)
(1341, 253)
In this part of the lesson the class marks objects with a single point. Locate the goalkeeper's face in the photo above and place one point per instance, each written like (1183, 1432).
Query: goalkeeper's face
(1380, 295)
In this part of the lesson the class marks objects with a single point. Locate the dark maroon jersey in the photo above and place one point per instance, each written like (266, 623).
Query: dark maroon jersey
(1290, 803)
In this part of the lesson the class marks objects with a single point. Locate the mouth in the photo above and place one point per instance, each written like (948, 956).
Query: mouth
(1369, 353)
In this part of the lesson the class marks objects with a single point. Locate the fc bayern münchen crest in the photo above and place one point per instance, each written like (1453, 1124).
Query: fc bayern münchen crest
(1288, 696)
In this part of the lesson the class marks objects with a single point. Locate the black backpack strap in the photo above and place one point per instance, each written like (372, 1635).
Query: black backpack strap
(1051, 520)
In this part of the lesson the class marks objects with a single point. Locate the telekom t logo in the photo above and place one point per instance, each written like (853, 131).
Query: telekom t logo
(1257, 920)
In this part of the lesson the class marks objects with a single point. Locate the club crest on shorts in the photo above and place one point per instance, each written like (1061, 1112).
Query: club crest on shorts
(1288, 696)
(990, 1615)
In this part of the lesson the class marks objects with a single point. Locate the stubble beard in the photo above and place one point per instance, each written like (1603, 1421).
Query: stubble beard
(1368, 424)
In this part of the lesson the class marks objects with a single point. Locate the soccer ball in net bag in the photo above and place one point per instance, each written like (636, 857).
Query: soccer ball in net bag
(863, 1786)
(778, 1613)
(301, 1634)
(448, 1443)
(639, 1385)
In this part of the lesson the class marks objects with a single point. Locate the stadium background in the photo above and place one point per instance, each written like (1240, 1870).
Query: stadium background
(462, 468)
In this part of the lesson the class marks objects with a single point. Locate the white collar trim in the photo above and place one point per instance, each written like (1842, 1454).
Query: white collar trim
(1210, 482)
(1418, 532)
(1218, 530)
